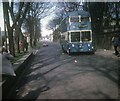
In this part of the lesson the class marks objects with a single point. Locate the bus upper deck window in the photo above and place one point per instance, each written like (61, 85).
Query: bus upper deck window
(84, 18)
(74, 19)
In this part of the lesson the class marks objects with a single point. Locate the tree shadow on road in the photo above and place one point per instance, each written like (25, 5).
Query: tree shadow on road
(107, 68)
(33, 95)
(31, 75)
(102, 69)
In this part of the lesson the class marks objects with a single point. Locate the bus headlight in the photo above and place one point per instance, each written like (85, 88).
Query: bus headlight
(73, 45)
(80, 46)
(88, 45)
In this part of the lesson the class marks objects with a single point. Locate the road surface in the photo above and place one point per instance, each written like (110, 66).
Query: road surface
(53, 74)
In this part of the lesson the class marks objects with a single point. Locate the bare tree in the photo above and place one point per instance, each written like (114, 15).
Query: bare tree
(9, 28)
(38, 11)
(18, 32)
(17, 20)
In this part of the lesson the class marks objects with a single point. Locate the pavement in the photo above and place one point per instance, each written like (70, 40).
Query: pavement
(19, 66)
(20, 61)
(107, 53)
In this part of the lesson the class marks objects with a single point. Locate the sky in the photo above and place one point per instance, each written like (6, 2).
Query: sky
(43, 21)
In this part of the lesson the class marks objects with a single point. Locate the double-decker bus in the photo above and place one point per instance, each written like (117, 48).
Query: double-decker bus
(76, 32)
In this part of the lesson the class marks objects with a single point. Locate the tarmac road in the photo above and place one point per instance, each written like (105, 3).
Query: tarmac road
(55, 75)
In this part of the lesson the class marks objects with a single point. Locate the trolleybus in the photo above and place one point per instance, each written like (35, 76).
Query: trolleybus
(76, 32)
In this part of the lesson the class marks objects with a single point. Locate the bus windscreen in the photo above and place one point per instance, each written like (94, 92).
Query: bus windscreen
(85, 36)
(75, 36)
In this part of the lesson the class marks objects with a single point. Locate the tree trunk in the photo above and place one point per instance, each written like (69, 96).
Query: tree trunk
(10, 29)
(11, 41)
(17, 35)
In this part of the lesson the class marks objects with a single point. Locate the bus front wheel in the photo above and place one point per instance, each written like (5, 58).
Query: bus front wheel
(68, 51)
(63, 49)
